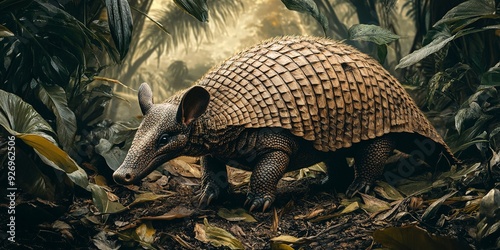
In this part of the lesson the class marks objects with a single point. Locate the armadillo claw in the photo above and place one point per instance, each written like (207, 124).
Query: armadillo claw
(256, 202)
(358, 186)
(207, 195)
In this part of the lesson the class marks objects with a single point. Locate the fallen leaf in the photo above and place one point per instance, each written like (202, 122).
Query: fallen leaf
(387, 191)
(162, 181)
(373, 205)
(102, 202)
(102, 242)
(238, 214)
(238, 177)
(154, 176)
(431, 211)
(414, 238)
(189, 159)
(175, 213)
(121, 223)
(286, 239)
(349, 209)
(310, 215)
(237, 230)
(216, 236)
(472, 206)
(60, 225)
(146, 232)
(181, 168)
(145, 197)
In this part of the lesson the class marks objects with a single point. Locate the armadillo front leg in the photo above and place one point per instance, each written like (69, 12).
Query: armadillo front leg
(369, 163)
(268, 171)
(213, 181)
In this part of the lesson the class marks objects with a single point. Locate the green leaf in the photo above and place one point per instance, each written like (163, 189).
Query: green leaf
(308, 7)
(196, 8)
(371, 33)
(102, 202)
(53, 156)
(30, 127)
(19, 117)
(54, 97)
(470, 114)
(468, 9)
(120, 24)
(381, 53)
(113, 155)
(440, 40)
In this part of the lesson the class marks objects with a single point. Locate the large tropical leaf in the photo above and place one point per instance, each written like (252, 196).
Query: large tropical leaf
(371, 33)
(90, 105)
(49, 45)
(120, 24)
(17, 116)
(21, 120)
(374, 34)
(441, 39)
(308, 7)
(54, 97)
(469, 10)
(196, 8)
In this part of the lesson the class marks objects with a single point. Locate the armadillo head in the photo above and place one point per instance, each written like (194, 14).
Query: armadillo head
(163, 134)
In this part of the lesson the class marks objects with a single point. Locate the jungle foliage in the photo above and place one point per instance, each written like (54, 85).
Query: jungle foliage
(51, 53)
(52, 97)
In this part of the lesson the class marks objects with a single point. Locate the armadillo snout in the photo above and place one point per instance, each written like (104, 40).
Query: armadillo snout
(123, 178)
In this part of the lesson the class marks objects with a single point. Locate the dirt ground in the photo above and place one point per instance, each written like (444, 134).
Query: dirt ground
(167, 217)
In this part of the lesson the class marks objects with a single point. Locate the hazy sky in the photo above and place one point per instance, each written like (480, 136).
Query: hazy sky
(259, 20)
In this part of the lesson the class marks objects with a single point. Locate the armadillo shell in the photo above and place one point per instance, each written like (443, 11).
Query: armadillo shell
(321, 90)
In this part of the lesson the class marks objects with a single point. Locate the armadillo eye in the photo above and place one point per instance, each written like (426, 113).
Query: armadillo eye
(164, 139)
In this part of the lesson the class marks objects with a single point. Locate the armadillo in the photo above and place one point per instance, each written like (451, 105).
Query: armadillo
(284, 104)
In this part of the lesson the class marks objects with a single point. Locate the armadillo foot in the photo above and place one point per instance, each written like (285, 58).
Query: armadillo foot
(207, 195)
(358, 186)
(256, 201)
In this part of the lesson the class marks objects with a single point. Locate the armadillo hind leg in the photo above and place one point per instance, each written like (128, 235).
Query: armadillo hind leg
(369, 161)
(265, 176)
(213, 181)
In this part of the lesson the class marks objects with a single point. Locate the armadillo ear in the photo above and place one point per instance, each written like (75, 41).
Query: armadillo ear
(145, 98)
(193, 104)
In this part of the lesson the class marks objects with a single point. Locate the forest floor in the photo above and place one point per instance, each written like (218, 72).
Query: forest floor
(162, 213)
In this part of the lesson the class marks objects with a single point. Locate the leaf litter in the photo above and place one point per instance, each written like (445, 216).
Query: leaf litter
(165, 215)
